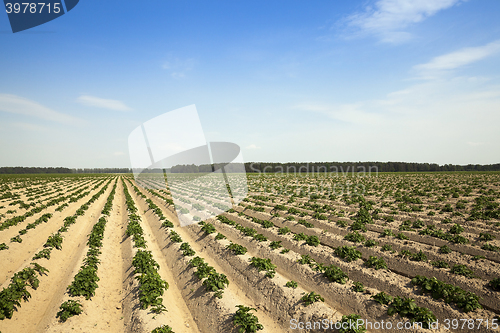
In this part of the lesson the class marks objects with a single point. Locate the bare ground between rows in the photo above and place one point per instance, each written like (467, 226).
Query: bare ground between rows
(282, 303)
(104, 311)
(469, 226)
(382, 280)
(211, 314)
(399, 265)
(35, 315)
(178, 315)
(484, 269)
(20, 254)
(12, 231)
(423, 239)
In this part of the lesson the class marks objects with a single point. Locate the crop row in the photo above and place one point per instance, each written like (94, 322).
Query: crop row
(85, 281)
(17, 289)
(151, 285)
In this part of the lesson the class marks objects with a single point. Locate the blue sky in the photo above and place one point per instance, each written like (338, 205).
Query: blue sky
(383, 80)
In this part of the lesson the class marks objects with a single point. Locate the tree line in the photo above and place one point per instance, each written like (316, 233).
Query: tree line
(33, 170)
(335, 167)
(267, 167)
(349, 167)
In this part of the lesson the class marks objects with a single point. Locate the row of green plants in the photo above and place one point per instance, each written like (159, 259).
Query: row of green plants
(350, 253)
(17, 290)
(18, 219)
(85, 281)
(151, 285)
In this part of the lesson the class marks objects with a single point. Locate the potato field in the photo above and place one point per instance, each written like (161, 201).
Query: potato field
(398, 252)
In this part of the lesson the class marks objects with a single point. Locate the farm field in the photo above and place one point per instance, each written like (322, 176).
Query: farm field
(101, 253)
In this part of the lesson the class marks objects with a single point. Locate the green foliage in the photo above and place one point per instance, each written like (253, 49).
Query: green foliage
(267, 224)
(247, 322)
(151, 285)
(300, 237)
(371, 243)
(54, 241)
(342, 223)
(376, 263)
(203, 270)
(405, 254)
(216, 283)
(174, 237)
(490, 247)
(387, 232)
(208, 228)
(348, 253)
(163, 329)
(292, 284)
(236, 248)
(406, 307)
(456, 229)
(4, 246)
(319, 216)
(285, 251)
(68, 309)
(355, 237)
(306, 224)
(264, 265)
(358, 226)
(310, 298)
(485, 236)
(386, 247)
(260, 238)
(16, 239)
(495, 284)
(275, 245)
(84, 283)
(401, 236)
(186, 249)
(250, 232)
(196, 261)
(306, 259)
(335, 274)
(463, 270)
(351, 324)
(419, 256)
(445, 249)
(312, 240)
(167, 224)
(418, 224)
(358, 287)
(465, 300)
(382, 298)
(440, 264)
(283, 231)
(220, 236)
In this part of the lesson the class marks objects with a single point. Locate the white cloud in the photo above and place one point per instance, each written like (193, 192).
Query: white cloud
(458, 58)
(118, 153)
(19, 105)
(387, 18)
(28, 126)
(348, 113)
(252, 146)
(442, 121)
(179, 67)
(110, 104)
